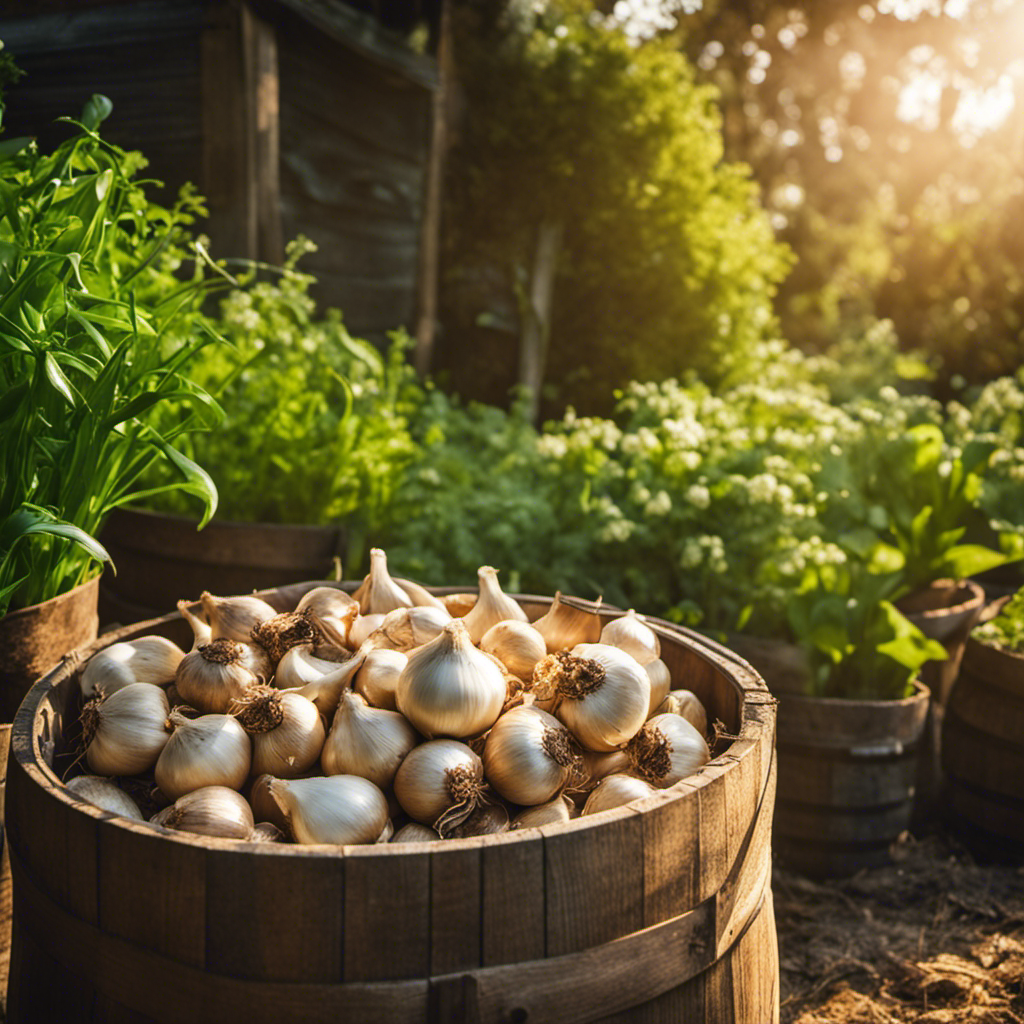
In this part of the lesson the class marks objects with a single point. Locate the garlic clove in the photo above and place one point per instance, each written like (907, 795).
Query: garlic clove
(379, 593)
(147, 659)
(106, 794)
(687, 704)
(267, 832)
(598, 766)
(201, 631)
(406, 628)
(212, 676)
(306, 663)
(367, 741)
(328, 602)
(264, 806)
(631, 633)
(212, 750)
(493, 605)
(377, 677)
(420, 596)
(517, 644)
(554, 812)
(616, 791)
(326, 691)
(449, 688)
(661, 682)
(286, 729)
(125, 732)
(341, 810)
(668, 748)
(363, 628)
(233, 618)
(210, 811)
(414, 832)
(568, 622)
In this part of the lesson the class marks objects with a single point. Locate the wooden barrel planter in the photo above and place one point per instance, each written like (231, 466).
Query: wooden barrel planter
(847, 779)
(983, 751)
(161, 558)
(661, 910)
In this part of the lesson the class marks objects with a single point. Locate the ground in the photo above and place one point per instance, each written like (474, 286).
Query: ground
(935, 938)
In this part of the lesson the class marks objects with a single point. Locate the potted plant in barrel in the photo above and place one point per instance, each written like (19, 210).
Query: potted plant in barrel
(849, 732)
(84, 365)
(307, 460)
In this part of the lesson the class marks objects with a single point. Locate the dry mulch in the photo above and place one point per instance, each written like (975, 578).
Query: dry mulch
(935, 938)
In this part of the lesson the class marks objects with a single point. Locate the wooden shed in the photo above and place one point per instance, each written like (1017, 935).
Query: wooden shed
(292, 117)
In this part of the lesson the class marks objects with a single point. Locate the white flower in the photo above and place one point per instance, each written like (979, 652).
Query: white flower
(659, 505)
(698, 496)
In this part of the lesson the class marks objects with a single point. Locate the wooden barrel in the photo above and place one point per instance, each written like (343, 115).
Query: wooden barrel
(847, 777)
(983, 751)
(657, 911)
(161, 558)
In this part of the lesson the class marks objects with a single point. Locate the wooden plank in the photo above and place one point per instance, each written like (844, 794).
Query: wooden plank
(671, 843)
(713, 828)
(275, 918)
(387, 913)
(593, 880)
(512, 899)
(455, 899)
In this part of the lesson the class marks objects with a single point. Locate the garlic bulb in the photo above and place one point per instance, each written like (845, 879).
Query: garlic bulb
(493, 605)
(530, 757)
(554, 812)
(406, 628)
(106, 794)
(687, 704)
(667, 749)
(616, 791)
(449, 688)
(286, 728)
(631, 634)
(212, 750)
(306, 663)
(379, 593)
(414, 832)
(280, 633)
(440, 783)
(377, 678)
(326, 691)
(568, 622)
(661, 682)
(340, 809)
(210, 811)
(597, 766)
(264, 806)
(214, 674)
(201, 631)
(516, 644)
(266, 832)
(148, 659)
(486, 819)
(603, 693)
(233, 618)
(458, 605)
(331, 605)
(125, 732)
(367, 741)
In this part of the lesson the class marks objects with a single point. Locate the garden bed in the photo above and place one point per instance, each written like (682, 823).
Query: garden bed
(935, 938)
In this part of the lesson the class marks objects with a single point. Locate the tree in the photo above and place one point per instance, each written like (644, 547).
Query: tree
(589, 204)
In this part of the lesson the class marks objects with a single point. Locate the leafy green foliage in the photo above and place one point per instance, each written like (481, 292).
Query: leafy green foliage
(1006, 630)
(83, 363)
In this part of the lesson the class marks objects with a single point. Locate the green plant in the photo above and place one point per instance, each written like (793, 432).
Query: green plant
(83, 363)
(1006, 630)
(858, 644)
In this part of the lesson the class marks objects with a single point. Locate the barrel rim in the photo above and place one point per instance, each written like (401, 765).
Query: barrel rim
(752, 691)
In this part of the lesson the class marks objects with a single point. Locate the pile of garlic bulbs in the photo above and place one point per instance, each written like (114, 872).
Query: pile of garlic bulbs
(386, 715)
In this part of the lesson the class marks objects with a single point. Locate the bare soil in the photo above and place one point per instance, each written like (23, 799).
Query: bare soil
(935, 938)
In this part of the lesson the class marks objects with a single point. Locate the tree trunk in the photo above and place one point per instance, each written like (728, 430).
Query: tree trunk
(536, 319)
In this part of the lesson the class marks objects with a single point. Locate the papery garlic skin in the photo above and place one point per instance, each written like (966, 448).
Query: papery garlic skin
(407, 628)
(554, 812)
(147, 659)
(377, 678)
(687, 704)
(564, 625)
(211, 811)
(233, 618)
(328, 602)
(661, 683)
(667, 749)
(449, 688)
(341, 810)
(264, 806)
(414, 832)
(616, 791)
(327, 690)
(201, 631)
(212, 750)
(493, 605)
(437, 777)
(367, 741)
(126, 731)
(598, 766)
(631, 634)
(516, 644)
(215, 674)
(306, 663)
(363, 628)
(105, 794)
(530, 756)
(459, 605)
(604, 693)
(379, 594)
(286, 729)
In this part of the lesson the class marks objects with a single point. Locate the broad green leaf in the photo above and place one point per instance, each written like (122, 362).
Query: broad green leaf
(56, 377)
(199, 481)
(970, 559)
